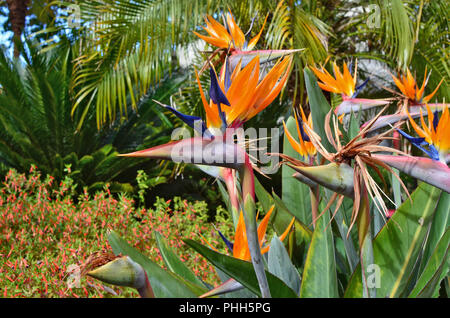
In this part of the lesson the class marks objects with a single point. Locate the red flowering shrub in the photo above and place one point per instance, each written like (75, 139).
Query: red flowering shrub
(46, 235)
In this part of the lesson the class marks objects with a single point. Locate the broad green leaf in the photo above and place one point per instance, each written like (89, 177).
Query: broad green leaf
(174, 263)
(242, 293)
(441, 222)
(225, 195)
(365, 244)
(281, 217)
(263, 196)
(251, 230)
(340, 221)
(302, 234)
(281, 266)
(398, 244)
(319, 278)
(295, 194)
(319, 107)
(243, 272)
(354, 124)
(435, 270)
(164, 284)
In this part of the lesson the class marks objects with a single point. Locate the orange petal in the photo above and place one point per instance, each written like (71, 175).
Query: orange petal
(400, 85)
(262, 228)
(253, 41)
(297, 147)
(237, 35)
(443, 131)
(419, 93)
(416, 127)
(269, 88)
(427, 98)
(240, 247)
(286, 232)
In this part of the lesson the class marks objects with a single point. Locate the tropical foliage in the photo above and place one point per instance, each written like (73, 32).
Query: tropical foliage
(360, 204)
(341, 248)
(49, 235)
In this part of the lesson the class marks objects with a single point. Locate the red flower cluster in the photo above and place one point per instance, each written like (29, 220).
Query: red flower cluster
(45, 237)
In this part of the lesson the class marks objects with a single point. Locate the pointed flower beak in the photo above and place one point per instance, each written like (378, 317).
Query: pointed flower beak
(356, 104)
(228, 286)
(336, 177)
(197, 150)
(427, 170)
(300, 177)
(124, 271)
(387, 120)
(242, 58)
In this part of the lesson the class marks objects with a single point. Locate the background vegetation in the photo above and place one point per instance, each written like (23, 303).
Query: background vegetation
(76, 92)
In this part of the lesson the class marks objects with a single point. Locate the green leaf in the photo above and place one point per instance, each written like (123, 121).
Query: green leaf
(441, 222)
(225, 195)
(319, 107)
(319, 275)
(164, 284)
(435, 271)
(281, 266)
(243, 272)
(281, 217)
(295, 194)
(354, 124)
(302, 234)
(242, 293)
(398, 244)
(174, 263)
(263, 196)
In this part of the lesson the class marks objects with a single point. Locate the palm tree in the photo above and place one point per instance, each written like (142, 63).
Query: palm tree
(37, 127)
(23, 14)
(126, 47)
(18, 10)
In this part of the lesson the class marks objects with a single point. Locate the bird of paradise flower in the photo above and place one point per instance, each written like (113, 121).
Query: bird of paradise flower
(229, 107)
(239, 249)
(233, 44)
(344, 83)
(434, 141)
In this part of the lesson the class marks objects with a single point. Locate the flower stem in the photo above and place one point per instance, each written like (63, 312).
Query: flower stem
(248, 194)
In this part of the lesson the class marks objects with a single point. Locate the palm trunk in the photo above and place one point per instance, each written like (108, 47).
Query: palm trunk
(17, 14)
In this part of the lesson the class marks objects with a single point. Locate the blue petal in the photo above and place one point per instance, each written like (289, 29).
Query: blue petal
(303, 134)
(227, 243)
(222, 117)
(215, 92)
(227, 75)
(433, 153)
(419, 143)
(415, 141)
(190, 121)
(359, 88)
(435, 119)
